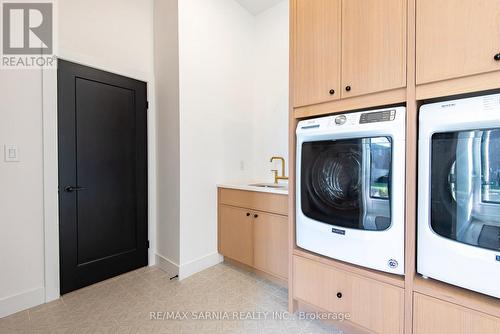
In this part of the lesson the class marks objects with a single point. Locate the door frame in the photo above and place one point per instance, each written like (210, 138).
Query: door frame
(51, 173)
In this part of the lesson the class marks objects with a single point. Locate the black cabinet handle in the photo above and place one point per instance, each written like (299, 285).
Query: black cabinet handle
(339, 295)
(70, 189)
(256, 216)
(248, 214)
(497, 57)
(348, 88)
(332, 91)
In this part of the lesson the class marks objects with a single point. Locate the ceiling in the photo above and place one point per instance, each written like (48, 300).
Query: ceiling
(258, 6)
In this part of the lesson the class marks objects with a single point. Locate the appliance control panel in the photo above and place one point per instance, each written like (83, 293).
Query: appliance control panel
(351, 120)
(345, 119)
(378, 116)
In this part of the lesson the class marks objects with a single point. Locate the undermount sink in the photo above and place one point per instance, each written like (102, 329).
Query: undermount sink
(270, 185)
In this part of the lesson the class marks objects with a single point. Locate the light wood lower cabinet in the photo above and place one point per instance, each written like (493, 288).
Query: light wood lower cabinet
(372, 305)
(236, 234)
(270, 252)
(252, 236)
(434, 316)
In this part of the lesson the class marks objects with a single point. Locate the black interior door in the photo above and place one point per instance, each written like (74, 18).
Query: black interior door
(102, 125)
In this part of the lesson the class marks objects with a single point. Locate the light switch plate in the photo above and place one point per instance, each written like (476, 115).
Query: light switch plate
(11, 153)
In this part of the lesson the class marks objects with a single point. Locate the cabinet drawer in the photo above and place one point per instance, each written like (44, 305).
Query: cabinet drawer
(376, 306)
(260, 201)
(434, 316)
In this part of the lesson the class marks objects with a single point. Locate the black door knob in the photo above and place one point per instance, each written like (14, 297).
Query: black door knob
(256, 216)
(248, 214)
(497, 57)
(332, 91)
(339, 295)
(348, 88)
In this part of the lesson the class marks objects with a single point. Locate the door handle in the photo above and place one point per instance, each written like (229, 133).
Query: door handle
(70, 189)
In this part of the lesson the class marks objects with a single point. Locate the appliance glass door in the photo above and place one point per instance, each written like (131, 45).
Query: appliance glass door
(346, 182)
(465, 187)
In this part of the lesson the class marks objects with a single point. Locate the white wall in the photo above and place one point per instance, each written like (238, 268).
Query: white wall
(21, 192)
(167, 101)
(270, 100)
(114, 35)
(216, 124)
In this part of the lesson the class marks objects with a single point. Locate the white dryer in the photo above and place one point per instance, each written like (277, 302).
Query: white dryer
(351, 187)
(459, 193)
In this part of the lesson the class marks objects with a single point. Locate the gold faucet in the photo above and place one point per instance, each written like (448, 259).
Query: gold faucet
(275, 171)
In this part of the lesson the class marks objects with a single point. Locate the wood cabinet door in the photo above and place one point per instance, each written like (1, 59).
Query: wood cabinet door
(316, 59)
(271, 244)
(433, 316)
(373, 46)
(377, 306)
(456, 38)
(236, 234)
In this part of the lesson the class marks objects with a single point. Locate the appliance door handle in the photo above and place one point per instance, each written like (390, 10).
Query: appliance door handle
(70, 189)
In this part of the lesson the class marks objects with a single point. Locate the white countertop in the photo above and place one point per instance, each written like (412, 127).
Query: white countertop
(249, 187)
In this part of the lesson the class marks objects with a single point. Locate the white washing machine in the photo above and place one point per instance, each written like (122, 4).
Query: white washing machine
(459, 193)
(351, 188)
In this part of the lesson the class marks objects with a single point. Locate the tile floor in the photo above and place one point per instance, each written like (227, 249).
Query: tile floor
(124, 305)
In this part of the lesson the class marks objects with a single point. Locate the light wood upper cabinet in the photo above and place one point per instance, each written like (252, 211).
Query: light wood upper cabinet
(456, 38)
(373, 46)
(317, 55)
(236, 234)
(271, 244)
(347, 48)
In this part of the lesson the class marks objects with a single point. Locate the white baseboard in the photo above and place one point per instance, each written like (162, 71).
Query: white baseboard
(168, 266)
(193, 267)
(25, 300)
